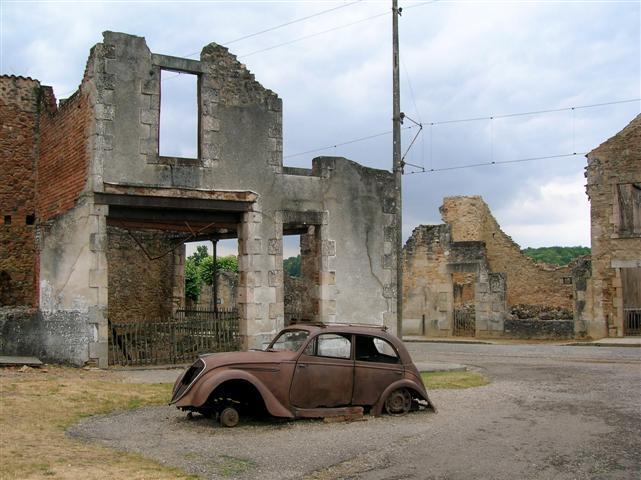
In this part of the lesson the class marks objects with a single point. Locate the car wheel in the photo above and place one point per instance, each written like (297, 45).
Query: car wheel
(229, 417)
(399, 402)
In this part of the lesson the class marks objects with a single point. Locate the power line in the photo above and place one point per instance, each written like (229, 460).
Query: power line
(507, 115)
(276, 27)
(534, 112)
(499, 162)
(322, 32)
(368, 137)
(333, 29)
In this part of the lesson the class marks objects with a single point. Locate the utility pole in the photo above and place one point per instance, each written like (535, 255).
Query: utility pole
(397, 169)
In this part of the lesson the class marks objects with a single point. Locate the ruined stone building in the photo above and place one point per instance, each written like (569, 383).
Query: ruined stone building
(614, 187)
(468, 277)
(93, 217)
(463, 277)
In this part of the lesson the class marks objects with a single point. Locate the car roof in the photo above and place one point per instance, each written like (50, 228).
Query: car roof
(373, 330)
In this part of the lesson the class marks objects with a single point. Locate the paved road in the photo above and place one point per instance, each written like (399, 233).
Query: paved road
(551, 412)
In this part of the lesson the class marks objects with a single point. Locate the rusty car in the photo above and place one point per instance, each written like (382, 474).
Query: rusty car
(307, 371)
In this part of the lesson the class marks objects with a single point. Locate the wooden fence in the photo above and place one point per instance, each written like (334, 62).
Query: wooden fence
(175, 340)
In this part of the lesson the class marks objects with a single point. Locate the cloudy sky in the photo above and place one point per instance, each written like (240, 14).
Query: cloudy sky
(460, 60)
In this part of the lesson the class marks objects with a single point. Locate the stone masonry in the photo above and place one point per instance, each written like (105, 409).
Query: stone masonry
(84, 168)
(614, 187)
(470, 265)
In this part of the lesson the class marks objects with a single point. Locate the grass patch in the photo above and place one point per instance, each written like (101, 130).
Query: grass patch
(37, 406)
(453, 380)
(232, 466)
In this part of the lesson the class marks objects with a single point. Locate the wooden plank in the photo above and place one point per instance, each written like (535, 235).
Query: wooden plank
(13, 361)
(631, 285)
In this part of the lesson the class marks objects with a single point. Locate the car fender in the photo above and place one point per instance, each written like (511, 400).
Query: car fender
(404, 383)
(200, 392)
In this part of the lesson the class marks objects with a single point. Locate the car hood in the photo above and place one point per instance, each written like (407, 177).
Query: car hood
(252, 357)
(240, 360)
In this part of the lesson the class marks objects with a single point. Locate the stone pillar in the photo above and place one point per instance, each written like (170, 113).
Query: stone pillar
(98, 281)
(482, 303)
(498, 302)
(260, 285)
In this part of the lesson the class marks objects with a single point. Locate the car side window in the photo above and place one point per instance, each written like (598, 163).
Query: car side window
(332, 345)
(374, 349)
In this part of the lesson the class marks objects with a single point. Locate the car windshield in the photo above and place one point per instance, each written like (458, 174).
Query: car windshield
(289, 340)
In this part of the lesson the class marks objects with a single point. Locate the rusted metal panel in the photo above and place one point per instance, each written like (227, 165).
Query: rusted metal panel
(309, 371)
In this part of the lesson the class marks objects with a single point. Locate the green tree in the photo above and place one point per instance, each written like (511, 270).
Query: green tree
(199, 255)
(192, 279)
(555, 255)
(291, 266)
(228, 263)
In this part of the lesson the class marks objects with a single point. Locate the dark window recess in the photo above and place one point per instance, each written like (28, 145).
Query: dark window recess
(372, 349)
(7, 219)
(30, 219)
(567, 280)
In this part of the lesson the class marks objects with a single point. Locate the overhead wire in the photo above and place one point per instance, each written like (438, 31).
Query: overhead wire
(286, 24)
(333, 29)
(496, 162)
(467, 119)
(533, 112)
(312, 35)
(355, 140)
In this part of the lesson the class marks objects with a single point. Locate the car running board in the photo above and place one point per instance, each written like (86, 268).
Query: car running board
(347, 412)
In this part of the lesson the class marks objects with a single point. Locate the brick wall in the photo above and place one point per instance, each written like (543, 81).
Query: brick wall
(64, 153)
(615, 162)
(18, 156)
(527, 282)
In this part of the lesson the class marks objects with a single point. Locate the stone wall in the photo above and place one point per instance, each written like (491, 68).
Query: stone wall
(99, 165)
(19, 116)
(427, 283)
(527, 281)
(227, 292)
(614, 187)
(534, 329)
(468, 266)
(140, 287)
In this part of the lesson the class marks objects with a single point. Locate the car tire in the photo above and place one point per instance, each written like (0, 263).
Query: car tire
(399, 402)
(229, 417)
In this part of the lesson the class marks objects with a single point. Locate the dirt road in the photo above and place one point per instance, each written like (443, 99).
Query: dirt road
(550, 412)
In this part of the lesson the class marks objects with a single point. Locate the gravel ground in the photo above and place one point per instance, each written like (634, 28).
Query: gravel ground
(550, 412)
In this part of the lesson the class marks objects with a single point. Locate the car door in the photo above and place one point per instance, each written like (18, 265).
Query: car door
(324, 374)
(376, 365)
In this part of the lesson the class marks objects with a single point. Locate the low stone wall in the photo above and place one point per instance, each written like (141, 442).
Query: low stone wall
(20, 332)
(539, 329)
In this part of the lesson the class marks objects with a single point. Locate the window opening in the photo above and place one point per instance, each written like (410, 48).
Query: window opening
(301, 272)
(7, 219)
(374, 349)
(290, 341)
(201, 293)
(332, 345)
(178, 136)
(30, 219)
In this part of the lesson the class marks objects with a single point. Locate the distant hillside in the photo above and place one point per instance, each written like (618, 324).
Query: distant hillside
(555, 255)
